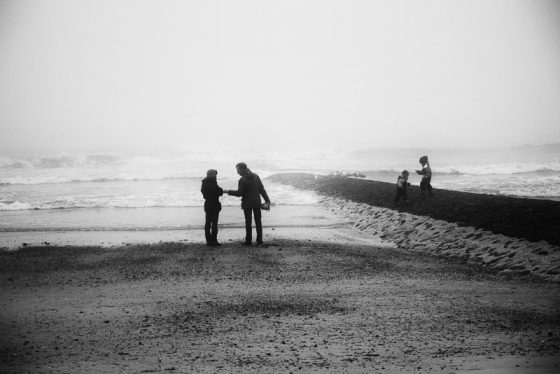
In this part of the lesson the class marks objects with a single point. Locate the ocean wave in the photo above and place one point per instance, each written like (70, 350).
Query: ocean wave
(26, 206)
(501, 169)
(543, 171)
(477, 170)
(61, 161)
(15, 205)
(49, 179)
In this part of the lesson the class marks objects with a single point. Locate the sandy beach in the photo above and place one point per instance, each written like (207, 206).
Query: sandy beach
(334, 297)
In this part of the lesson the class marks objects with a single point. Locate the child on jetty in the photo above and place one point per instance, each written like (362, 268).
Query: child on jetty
(402, 187)
(212, 206)
(426, 173)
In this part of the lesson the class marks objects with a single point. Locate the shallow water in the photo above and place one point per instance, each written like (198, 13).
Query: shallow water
(113, 226)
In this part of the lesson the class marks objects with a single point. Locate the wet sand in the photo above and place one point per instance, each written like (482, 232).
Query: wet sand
(113, 227)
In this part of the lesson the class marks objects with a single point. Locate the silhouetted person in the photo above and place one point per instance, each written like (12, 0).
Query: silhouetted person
(250, 188)
(402, 187)
(211, 192)
(426, 173)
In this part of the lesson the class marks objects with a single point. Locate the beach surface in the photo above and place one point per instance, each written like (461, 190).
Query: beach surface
(324, 295)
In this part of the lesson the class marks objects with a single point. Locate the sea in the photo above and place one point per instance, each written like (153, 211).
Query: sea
(159, 189)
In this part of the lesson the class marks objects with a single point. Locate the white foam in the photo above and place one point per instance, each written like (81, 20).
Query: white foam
(15, 205)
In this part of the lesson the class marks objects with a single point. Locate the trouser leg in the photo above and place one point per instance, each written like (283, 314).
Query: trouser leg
(258, 224)
(423, 186)
(207, 227)
(429, 185)
(398, 196)
(214, 224)
(248, 223)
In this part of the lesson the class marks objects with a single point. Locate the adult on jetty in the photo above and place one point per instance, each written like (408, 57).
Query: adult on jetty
(250, 188)
(426, 173)
(212, 206)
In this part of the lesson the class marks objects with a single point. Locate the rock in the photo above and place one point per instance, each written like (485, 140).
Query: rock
(424, 234)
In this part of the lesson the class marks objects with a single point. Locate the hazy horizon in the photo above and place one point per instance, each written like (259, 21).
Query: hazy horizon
(95, 75)
(255, 151)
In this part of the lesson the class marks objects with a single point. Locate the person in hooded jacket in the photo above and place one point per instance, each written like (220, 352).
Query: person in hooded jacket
(212, 206)
(402, 187)
(250, 188)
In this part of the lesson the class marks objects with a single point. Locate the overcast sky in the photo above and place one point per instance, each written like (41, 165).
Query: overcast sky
(328, 74)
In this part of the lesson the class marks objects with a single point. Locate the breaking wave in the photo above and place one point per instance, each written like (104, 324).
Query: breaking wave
(127, 180)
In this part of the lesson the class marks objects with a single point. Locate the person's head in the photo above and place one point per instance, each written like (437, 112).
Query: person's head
(423, 160)
(211, 173)
(241, 168)
(405, 174)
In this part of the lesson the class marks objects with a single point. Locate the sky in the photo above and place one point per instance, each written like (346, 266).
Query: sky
(290, 74)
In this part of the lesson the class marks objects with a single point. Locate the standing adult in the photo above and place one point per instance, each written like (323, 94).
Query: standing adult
(250, 188)
(211, 192)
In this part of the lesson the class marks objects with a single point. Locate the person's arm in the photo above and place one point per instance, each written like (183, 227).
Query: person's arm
(262, 191)
(420, 172)
(240, 189)
(219, 191)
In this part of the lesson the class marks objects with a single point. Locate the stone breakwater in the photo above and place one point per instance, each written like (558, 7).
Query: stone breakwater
(441, 238)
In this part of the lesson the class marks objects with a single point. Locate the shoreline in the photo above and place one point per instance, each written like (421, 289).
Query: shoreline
(109, 226)
(335, 233)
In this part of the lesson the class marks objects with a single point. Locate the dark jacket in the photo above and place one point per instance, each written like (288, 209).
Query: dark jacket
(250, 188)
(211, 192)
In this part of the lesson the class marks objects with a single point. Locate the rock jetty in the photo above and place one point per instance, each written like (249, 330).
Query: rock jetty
(511, 235)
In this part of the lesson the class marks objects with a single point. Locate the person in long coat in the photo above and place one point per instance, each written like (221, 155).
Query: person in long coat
(250, 188)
